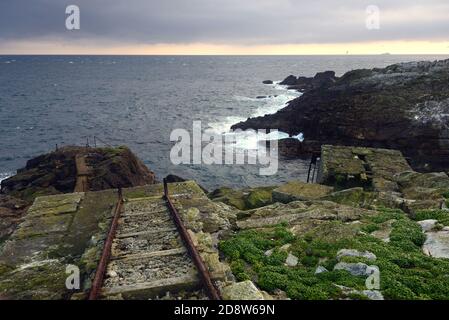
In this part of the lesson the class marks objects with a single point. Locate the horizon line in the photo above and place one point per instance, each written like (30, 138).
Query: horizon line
(223, 55)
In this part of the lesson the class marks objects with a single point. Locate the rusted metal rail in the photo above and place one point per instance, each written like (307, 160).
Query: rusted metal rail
(106, 254)
(204, 274)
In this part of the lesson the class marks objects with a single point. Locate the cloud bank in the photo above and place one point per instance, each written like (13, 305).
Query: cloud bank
(225, 22)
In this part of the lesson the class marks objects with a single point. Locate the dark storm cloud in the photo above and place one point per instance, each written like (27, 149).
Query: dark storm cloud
(225, 21)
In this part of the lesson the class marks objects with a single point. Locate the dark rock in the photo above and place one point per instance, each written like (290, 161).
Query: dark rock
(172, 178)
(289, 81)
(321, 79)
(404, 106)
(55, 172)
(293, 148)
(268, 82)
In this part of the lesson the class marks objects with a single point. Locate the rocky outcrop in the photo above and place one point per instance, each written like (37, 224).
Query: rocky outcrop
(289, 81)
(245, 199)
(56, 172)
(11, 210)
(245, 290)
(297, 190)
(380, 177)
(347, 167)
(403, 106)
(293, 148)
(437, 239)
(302, 84)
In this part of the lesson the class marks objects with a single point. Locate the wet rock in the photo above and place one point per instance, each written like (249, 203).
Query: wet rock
(172, 178)
(293, 148)
(289, 81)
(403, 106)
(245, 290)
(302, 84)
(267, 82)
(55, 172)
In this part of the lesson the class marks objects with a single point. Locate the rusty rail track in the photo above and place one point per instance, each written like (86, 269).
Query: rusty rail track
(203, 271)
(106, 254)
(204, 274)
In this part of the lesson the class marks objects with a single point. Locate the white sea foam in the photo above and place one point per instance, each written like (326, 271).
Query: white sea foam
(4, 176)
(299, 136)
(267, 105)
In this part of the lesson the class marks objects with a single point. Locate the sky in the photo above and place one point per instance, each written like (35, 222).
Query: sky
(226, 27)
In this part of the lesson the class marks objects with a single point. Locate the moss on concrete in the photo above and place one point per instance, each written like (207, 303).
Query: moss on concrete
(45, 280)
(244, 199)
(297, 190)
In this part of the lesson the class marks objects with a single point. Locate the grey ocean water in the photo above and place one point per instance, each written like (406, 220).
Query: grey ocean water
(139, 100)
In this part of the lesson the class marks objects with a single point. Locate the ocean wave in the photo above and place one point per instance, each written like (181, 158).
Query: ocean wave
(223, 127)
(268, 104)
(4, 176)
(251, 142)
(274, 104)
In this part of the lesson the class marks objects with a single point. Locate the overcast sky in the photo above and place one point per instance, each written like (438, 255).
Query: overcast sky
(28, 24)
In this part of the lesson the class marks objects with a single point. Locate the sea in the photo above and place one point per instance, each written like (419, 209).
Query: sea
(139, 100)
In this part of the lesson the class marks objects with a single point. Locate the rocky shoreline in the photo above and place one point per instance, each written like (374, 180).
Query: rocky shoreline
(372, 228)
(403, 106)
(375, 225)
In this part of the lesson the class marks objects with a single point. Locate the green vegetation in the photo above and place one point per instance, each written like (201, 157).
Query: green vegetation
(258, 198)
(405, 272)
(441, 215)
